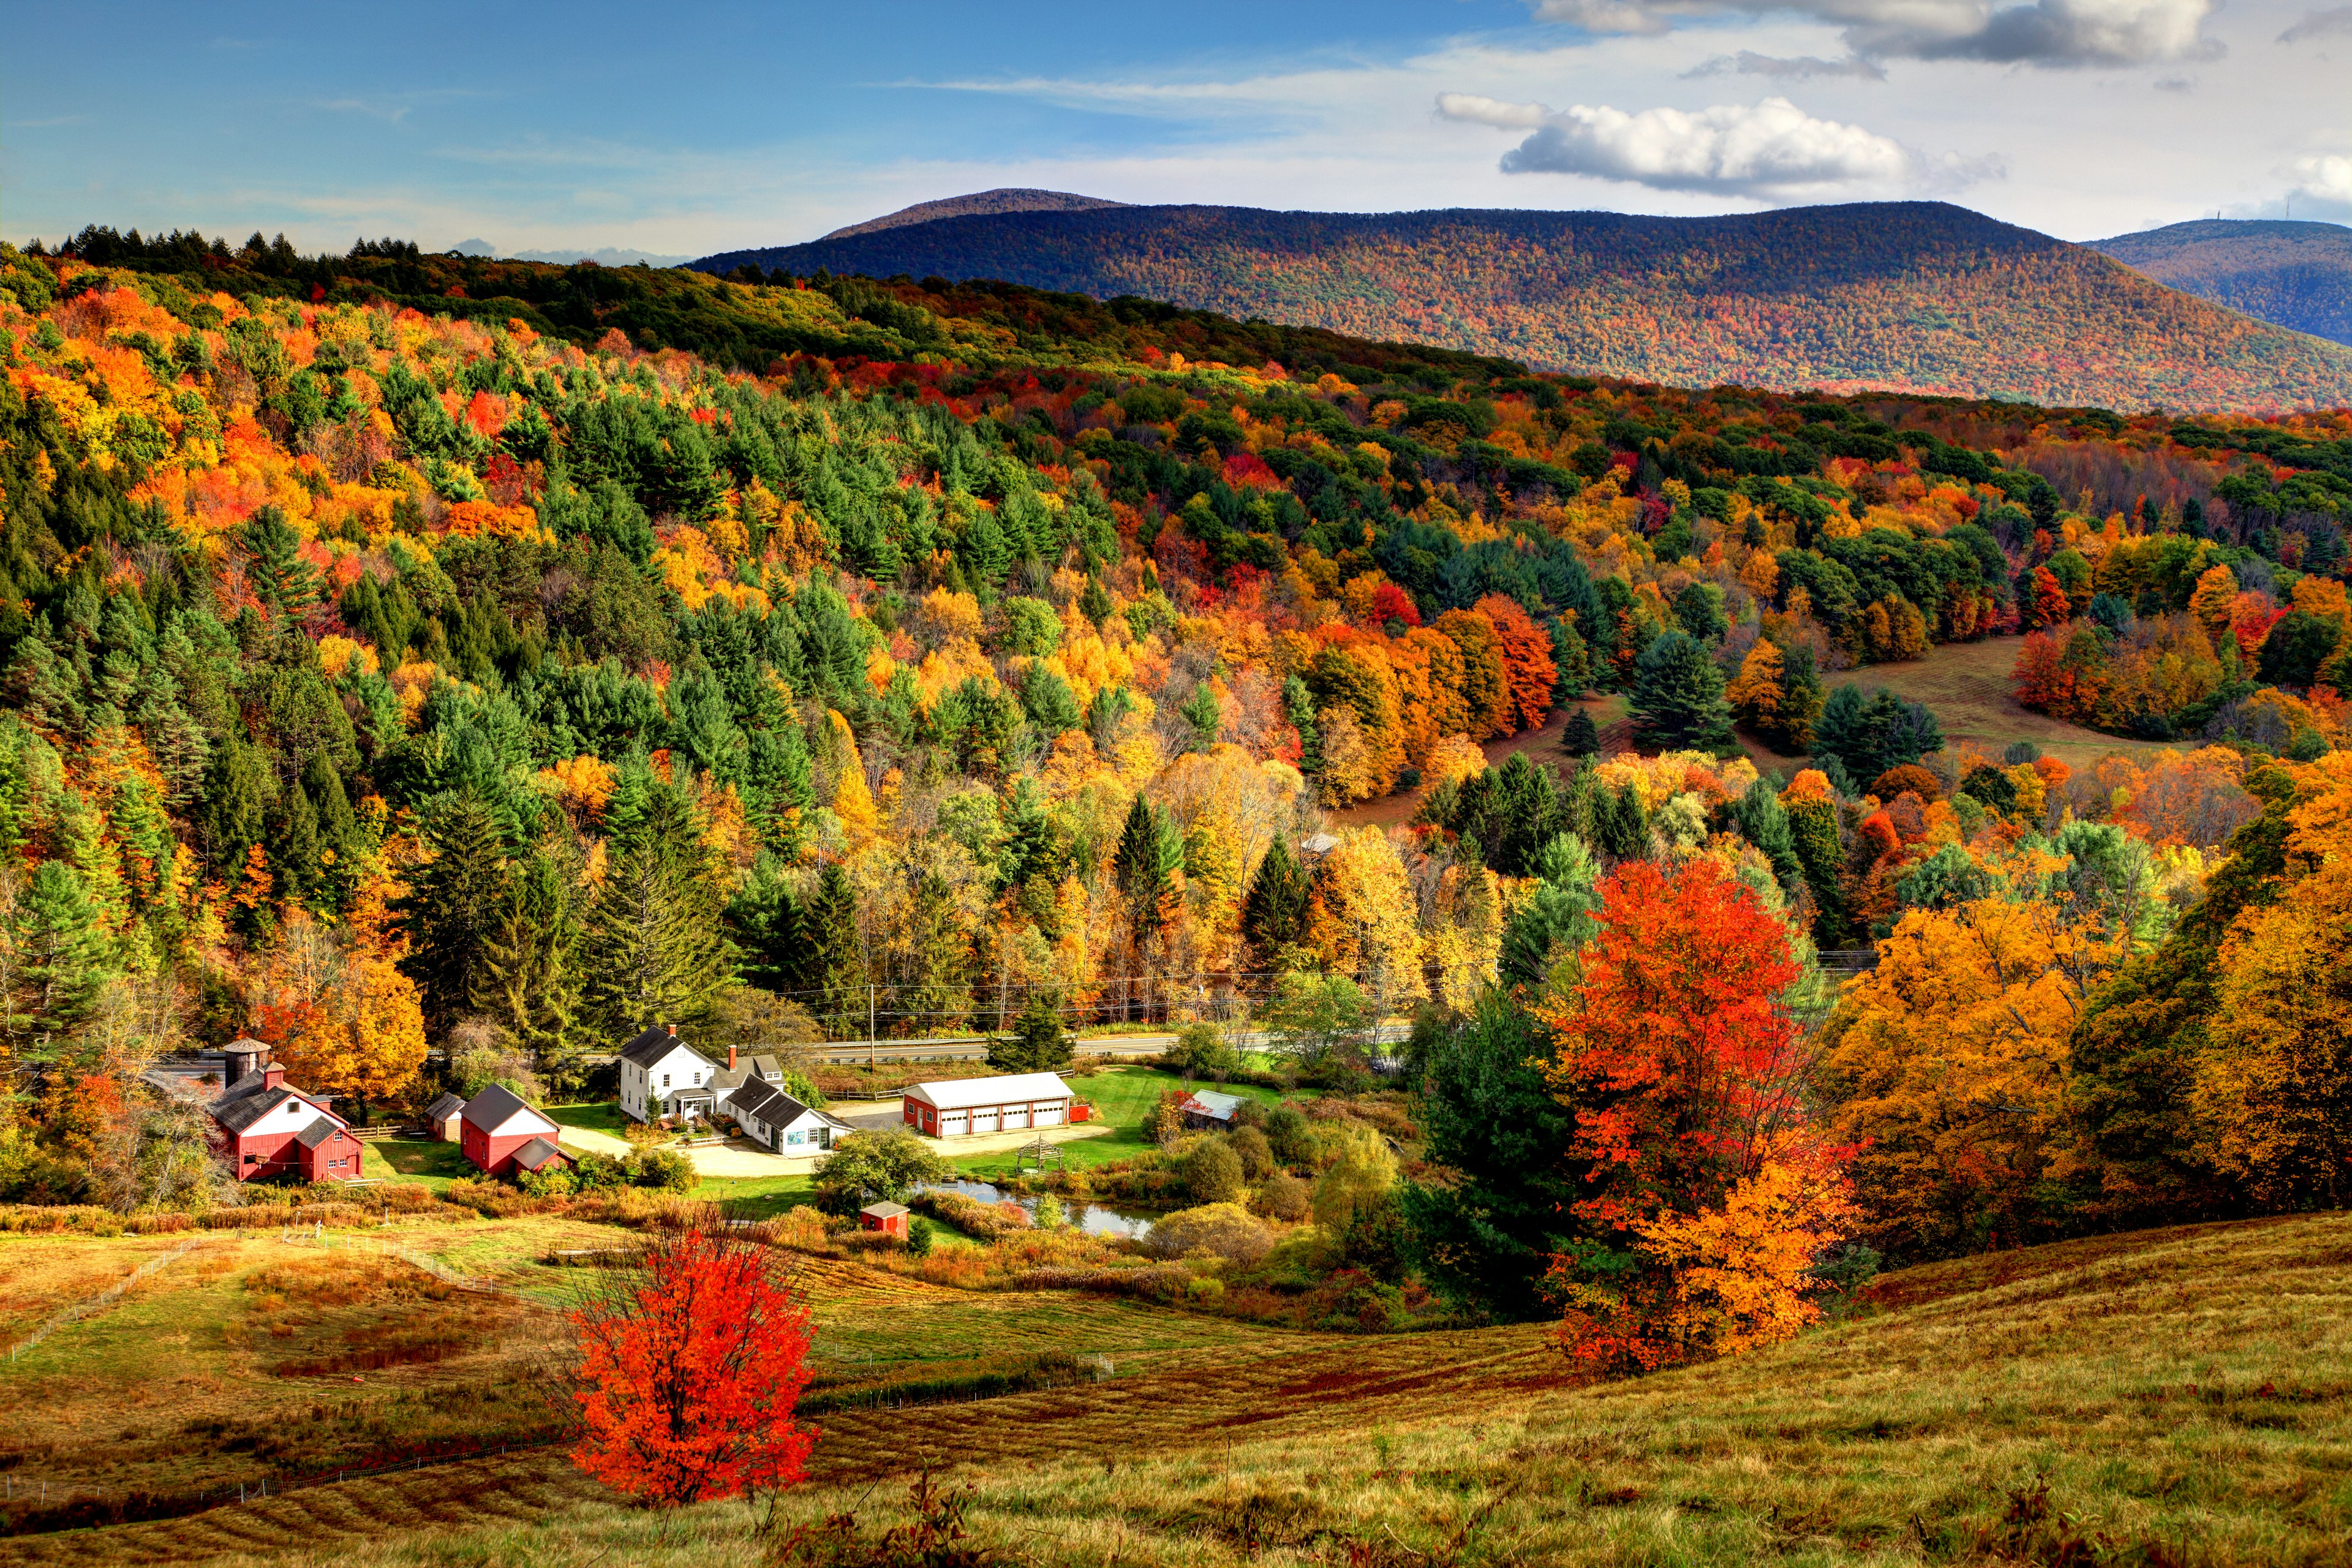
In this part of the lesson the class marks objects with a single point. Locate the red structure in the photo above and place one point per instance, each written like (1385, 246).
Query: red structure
(263, 1127)
(888, 1218)
(496, 1130)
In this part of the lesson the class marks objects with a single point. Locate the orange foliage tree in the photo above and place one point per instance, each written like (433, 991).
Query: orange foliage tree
(1709, 1191)
(689, 1366)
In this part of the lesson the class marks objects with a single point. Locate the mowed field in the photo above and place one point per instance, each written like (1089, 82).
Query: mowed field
(2178, 1397)
(1967, 685)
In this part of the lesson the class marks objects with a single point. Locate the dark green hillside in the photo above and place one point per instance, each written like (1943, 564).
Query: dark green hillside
(1913, 296)
(2298, 274)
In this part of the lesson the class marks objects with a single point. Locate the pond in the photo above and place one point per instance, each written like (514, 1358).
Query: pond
(1094, 1219)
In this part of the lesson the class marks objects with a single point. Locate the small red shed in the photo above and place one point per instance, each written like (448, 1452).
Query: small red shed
(888, 1218)
(497, 1124)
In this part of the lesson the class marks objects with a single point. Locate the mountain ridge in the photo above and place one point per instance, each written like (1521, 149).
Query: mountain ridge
(1910, 296)
(1003, 199)
(2293, 273)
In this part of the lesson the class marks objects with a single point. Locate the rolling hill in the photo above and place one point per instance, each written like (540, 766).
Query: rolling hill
(2297, 275)
(979, 204)
(1914, 296)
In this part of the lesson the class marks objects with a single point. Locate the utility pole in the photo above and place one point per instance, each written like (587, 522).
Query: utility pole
(869, 1025)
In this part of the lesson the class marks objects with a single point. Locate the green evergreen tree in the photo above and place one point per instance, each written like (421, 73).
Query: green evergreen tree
(1036, 1042)
(273, 565)
(1813, 825)
(525, 980)
(1765, 823)
(54, 961)
(832, 969)
(1624, 824)
(453, 904)
(1559, 918)
(1141, 869)
(1275, 909)
(1580, 737)
(651, 947)
(936, 996)
(1298, 713)
(1678, 703)
(1800, 699)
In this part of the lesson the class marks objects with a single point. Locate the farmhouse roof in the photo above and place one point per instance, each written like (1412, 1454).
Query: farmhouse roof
(1013, 1088)
(495, 1106)
(1212, 1103)
(441, 1110)
(747, 1069)
(653, 1045)
(884, 1210)
(1318, 844)
(241, 1106)
(766, 1101)
(322, 1128)
(538, 1152)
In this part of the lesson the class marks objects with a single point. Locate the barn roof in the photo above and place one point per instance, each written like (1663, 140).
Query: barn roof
(241, 1106)
(653, 1045)
(441, 1110)
(320, 1128)
(493, 1107)
(1212, 1103)
(963, 1093)
(538, 1152)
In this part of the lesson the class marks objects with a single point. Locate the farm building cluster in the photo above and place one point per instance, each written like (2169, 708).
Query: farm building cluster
(665, 1078)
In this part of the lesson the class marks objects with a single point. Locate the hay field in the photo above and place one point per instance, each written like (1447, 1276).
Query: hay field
(2178, 1397)
(1967, 685)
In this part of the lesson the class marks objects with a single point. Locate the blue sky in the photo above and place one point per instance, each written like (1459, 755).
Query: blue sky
(683, 132)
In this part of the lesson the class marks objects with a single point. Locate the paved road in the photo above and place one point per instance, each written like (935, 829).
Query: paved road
(848, 1053)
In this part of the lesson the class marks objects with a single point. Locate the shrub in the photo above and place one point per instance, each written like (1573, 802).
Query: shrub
(1254, 1153)
(1224, 1230)
(598, 1172)
(666, 1171)
(1288, 1136)
(1212, 1172)
(1202, 1051)
(1048, 1215)
(1284, 1196)
(1166, 1119)
(553, 1181)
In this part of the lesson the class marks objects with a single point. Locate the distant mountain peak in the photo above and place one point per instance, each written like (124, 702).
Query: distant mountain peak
(1004, 199)
(2293, 271)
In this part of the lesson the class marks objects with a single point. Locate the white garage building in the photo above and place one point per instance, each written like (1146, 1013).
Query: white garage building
(1014, 1104)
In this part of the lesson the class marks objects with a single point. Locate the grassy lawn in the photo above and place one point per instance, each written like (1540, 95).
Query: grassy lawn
(425, 1161)
(598, 1116)
(756, 1197)
(1967, 685)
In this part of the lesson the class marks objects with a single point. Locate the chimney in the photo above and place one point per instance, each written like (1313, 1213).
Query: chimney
(731, 1058)
(273, 1074)
(673, 1031)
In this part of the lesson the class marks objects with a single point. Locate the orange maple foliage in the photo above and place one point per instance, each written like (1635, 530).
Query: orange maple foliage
(1685, 1073)
(689, 1367)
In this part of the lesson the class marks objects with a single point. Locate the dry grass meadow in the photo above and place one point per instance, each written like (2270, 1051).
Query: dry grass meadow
(1967, 684)
(2176, 1398)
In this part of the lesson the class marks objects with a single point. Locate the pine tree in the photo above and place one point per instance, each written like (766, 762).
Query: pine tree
(1580, 737)
(1813, 829)
(1298, 713)
(1559, 916)
(273, 565)
(54, 957)
(1036, 1042)
(834, 967)
(453, 904)
(1142, 870)
(1765, 823)
(1624, 824)
(937, 996)
(1275, 910)
(1800, 700)
(652, 950)
(1678, 695)
(525, 980)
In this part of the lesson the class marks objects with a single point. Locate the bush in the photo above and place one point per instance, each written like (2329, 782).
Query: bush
(1048, 1214)
(1212, 1172)
(1224, 1230)
(598, 1173)
(920, 1234)
(1202, 1051)
(1166, 1119)
(1289, 1137)
(551, 1181)
(1254, 1153)
(1284, 1196)
(664, 1170)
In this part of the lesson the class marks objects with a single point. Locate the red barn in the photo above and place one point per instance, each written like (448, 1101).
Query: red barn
(496, 1125)
(263, 1127)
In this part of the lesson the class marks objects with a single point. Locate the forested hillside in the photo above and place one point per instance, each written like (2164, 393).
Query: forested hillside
(406, 650)
(2297, 275)
(1921, 296)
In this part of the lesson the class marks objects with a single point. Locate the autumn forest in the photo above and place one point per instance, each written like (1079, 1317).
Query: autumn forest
(440, 669)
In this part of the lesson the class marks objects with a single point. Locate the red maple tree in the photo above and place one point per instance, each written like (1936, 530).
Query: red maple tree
(689, 1366)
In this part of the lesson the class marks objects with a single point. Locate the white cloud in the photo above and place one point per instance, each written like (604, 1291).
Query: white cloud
(1802, 68)
(2042, 32)
(1772, 151)
(2332, 24)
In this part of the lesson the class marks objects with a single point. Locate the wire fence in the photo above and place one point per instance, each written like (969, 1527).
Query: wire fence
(91, 1305)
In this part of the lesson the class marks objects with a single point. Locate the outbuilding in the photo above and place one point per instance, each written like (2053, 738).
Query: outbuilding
(1016, 1102)
(497, 1126)
(888, 1217)
(262, 1126)
(770, 1117)
(1205, 1109)
(444, 1117)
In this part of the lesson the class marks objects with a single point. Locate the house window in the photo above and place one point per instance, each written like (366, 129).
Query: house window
(796, 1138)
(665, 1081)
